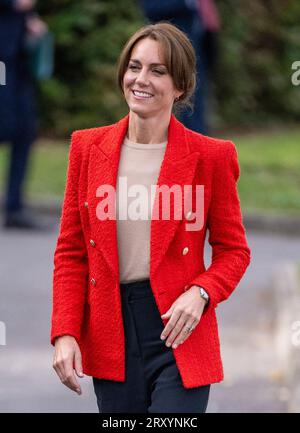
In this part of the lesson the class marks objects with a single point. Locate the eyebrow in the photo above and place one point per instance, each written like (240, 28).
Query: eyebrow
(151, 64)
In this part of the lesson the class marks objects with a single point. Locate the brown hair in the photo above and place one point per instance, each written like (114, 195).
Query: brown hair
(178, 53)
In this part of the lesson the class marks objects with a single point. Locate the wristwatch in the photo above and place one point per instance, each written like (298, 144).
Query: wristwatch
(204, 294)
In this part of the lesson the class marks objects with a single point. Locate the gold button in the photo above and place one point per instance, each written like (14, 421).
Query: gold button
(185, 250)
(86, 204)
(93, 281)
(93, 243)
(188, 215)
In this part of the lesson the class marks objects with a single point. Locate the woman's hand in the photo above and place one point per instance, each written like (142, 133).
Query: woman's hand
(24, 5)
(185, 311)
(35, 26)
(67, 353)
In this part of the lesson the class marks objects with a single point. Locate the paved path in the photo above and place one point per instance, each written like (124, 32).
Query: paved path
(28, 382)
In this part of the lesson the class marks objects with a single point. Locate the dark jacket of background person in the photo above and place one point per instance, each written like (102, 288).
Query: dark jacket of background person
(12, 40)
(18, 124)
(12, 28)
(179, 10)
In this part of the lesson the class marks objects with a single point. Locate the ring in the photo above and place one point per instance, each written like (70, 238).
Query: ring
(189, 328)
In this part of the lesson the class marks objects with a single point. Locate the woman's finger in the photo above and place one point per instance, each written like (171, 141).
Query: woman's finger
(176, 329)
(70, 380)
(171, 323)
(185, 332)
(78, 363)
(57, 368)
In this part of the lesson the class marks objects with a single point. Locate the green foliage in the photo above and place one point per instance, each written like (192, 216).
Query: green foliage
(260, 40)
(270, 170)
(89, 37)
(258, 43)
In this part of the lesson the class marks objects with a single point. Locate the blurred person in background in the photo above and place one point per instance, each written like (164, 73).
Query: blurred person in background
(18, 117)
(210, 18)
(200, 20)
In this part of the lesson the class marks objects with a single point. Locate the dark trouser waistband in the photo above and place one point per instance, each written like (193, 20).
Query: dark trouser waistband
(136, 289)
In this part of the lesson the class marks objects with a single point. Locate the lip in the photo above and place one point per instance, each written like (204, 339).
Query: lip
(141, 97)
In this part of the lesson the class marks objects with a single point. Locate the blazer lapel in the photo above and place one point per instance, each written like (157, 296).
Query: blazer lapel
(103, 170)
(178, 167)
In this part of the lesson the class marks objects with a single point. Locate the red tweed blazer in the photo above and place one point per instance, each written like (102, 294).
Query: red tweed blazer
(86, 289)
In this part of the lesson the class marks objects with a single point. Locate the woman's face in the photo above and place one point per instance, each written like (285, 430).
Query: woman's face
(147, 73)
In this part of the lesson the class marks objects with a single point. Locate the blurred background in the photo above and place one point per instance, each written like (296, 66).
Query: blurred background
(248, 56)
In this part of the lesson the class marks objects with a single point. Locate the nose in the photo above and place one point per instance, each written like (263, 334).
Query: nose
(142, 78)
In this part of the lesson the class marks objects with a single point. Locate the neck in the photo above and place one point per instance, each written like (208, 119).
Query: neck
(148, 130)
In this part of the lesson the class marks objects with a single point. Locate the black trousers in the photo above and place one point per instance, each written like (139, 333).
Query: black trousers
(152, 380)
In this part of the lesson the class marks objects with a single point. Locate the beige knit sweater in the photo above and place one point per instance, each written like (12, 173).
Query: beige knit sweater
(138, 169)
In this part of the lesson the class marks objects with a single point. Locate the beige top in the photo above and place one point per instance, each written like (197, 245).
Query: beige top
(139, 168)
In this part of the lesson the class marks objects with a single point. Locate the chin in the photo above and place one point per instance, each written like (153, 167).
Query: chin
(140, 111)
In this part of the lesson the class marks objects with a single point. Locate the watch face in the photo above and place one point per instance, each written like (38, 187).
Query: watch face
(204, 294)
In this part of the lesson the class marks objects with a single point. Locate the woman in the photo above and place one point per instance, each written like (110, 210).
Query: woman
(123, 279)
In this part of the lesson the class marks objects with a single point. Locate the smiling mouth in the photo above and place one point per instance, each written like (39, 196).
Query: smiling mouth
(143, 95)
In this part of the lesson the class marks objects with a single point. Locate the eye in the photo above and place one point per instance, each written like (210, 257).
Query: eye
(133, 67)
(158, 71)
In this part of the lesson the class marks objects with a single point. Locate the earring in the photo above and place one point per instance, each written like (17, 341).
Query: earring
(176, 99)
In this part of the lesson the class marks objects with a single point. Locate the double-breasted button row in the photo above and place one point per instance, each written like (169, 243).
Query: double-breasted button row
(188, 215)
(93, 244)
(185, 250)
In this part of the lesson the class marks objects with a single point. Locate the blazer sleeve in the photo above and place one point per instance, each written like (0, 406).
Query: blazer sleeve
(227, 237)
(70, 257)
